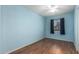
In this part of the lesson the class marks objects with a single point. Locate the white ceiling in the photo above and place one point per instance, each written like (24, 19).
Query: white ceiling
(44, 10)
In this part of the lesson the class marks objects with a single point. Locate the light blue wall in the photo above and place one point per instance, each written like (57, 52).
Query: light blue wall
(21, 27)
(0, 30)
(0, 24)
(69, 27)
(76, 27)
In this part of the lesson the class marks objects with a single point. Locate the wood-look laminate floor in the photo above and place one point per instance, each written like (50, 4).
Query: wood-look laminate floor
(48, 46)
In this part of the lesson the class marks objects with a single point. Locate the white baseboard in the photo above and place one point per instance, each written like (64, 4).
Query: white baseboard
(61, 39)
(21, 47)
(16, 49)
(76, 48)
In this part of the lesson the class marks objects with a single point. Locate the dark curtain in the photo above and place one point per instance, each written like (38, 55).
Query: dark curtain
(52, 26)
(62, 26)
